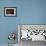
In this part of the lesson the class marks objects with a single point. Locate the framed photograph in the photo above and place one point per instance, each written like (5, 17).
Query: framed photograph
(10, 11)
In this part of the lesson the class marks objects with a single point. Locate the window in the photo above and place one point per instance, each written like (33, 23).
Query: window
(10, 11)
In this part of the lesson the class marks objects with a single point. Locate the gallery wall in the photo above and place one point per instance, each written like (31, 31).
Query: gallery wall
(28, 12)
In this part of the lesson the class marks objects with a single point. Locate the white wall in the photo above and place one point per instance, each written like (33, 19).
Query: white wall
(33, 27)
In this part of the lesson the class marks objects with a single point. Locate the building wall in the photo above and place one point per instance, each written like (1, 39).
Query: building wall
(28, 12)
